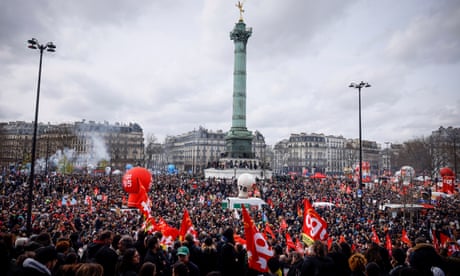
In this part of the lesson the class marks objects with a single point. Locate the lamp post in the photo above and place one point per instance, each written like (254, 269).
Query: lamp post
(360, 185)
(50, 47)
(388, 163)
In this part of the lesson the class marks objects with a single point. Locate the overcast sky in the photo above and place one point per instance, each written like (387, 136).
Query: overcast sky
(168, 65)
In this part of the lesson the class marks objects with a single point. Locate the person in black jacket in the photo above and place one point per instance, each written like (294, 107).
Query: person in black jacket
(296, 263)
(318, 263)
(210, 257)
(184, 257)
(156, 255)
(229, 258)
(130, 263)
(195, 251)
(106, 255)
(340, 260)
(398, 261)
(42, 264)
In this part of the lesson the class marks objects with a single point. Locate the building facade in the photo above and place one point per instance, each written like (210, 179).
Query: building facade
(72, 146)
(331, 155)
(446, 148)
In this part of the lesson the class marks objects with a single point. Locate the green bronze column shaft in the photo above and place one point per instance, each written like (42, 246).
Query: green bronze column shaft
(240, 37)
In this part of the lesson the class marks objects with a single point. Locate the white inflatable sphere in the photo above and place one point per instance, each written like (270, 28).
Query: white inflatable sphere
(245, 182)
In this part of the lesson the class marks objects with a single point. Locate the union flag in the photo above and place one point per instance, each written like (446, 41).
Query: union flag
(314, 226)
(259, 251)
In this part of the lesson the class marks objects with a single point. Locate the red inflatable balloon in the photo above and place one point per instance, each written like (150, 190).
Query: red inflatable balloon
(136, 182)
(446, 172)
(136, 177)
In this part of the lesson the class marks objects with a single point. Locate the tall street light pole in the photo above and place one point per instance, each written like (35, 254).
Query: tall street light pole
(360, 185)
(50, 47)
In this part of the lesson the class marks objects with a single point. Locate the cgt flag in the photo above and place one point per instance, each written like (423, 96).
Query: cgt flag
(314, 227)
(259, 251)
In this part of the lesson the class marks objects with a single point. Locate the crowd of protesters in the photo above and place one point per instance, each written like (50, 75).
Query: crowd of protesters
(80, 227)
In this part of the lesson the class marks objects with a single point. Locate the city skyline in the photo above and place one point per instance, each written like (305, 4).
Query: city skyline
(168, 66)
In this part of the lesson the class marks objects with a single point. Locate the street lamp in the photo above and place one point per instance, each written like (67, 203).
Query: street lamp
(360, 186)
(388, 162)
(50, 47)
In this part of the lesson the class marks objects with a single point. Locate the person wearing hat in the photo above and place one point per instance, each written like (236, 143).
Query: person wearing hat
(183, 255)
(42, 264)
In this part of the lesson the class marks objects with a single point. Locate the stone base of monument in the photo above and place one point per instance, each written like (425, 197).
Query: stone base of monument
(236, 172)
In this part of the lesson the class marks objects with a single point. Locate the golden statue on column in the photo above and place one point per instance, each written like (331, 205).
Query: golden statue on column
(239, 5)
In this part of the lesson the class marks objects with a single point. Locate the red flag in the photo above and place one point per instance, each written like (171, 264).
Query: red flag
(348, 190)
(388, 244)
(289, 243)
(149, 225)
(143, 202)
(435, 240)
(269, 231)
(96, 191)
(299, 211)
(89, 201)
(314, 227)
(283, 225)
(375, 237)
(169, 236)
(329, 243)
(405, 239)
(186, 227)
(105, 197)
(239, 239)
(259, 251)
(270, 202)
(444, 239)
(342, 239)
(162, 225)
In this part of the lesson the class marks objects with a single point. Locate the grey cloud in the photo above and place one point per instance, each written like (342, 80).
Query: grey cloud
(431, 38)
